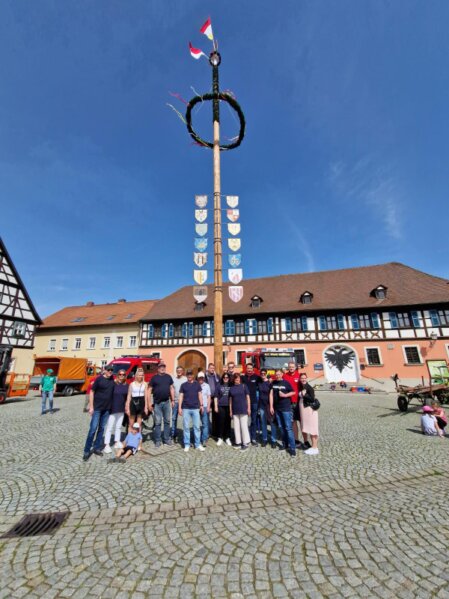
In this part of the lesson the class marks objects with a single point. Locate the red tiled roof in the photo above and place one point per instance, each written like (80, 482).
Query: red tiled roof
(99, 314)
(349, 288)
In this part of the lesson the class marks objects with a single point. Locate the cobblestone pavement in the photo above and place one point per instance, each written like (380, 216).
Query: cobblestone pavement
(368, 517)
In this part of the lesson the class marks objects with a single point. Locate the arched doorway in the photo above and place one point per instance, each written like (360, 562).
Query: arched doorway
(340, 364)
(193, 360)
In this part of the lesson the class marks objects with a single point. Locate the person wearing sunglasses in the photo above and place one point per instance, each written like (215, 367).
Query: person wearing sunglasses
(117, 413)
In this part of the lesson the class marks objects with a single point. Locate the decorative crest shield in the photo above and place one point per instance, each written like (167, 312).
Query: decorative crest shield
(200, 293)
(235, 260)
(234, 244)
(234, 228)
(199, 259)
(201, 229)
(235, 293)
(232, 201)
(200, 244)
(235, 275)
(201, 215)
(233, 215)
(200, 276)
(201, 201)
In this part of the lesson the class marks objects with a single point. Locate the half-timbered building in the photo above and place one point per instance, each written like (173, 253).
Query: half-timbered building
(357, 325)
(18, 316)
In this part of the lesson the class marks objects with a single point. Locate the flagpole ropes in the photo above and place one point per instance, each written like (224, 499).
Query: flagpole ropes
(218, 261)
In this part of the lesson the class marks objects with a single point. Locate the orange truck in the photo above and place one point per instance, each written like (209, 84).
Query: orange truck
(73, 374)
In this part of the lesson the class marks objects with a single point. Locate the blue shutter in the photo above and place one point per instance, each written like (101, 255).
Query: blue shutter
(355, 322)
(254, 326)
(341, 322)
(393, 320)
(150, 331)
(246, 327)
(190, 329)
(322, 323)
(304, 326)
(270, 325)
(229, 327)
(164, 330)
(288, 325)
(415, 319)
(375, 323)
(435, 319)
(206, 329)
(184, 329)
(171, 330)
(212, 328)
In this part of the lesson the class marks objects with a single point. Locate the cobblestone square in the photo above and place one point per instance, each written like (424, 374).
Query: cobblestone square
(368, 517)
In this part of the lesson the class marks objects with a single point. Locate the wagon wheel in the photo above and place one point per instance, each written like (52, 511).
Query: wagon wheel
(402, 403)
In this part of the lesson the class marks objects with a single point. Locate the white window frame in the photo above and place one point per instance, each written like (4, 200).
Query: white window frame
(92, 345)
(108, 344)
(51, 345)
(405, 355)
(66, 344)
(75, 344)
(378, 351)
(117, 344)
(132, 345)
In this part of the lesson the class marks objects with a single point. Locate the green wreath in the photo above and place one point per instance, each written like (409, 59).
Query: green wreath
(225, 98)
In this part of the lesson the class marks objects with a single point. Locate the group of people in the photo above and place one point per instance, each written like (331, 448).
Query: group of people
(433, 420)
(208, 404)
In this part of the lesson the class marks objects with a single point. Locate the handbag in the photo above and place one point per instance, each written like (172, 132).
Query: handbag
(311, 403)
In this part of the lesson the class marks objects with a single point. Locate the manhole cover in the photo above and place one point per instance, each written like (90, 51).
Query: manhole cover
(36, 524)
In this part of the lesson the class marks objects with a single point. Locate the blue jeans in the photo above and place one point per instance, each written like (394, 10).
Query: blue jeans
(204, 426)
(285, 424)
(174, 419)
(263, 423)
(254, 420)
(97, 425)
(46, 394)
(162, 410)
(188, 414)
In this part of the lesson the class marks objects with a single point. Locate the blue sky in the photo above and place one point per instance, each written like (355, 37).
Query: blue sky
(344, 162)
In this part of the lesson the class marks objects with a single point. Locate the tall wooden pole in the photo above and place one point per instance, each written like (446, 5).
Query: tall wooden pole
(218, 262)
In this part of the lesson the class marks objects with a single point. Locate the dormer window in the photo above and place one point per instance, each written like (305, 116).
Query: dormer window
(379, 292)
(256, 301)
(78, 319)
(306, 297)
(199, 306)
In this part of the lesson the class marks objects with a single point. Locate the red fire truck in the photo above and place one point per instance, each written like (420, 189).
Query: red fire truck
(267, 358)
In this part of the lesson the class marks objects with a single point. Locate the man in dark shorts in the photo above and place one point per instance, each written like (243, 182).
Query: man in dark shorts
(162, 396)
(100, 400)
(281, 405)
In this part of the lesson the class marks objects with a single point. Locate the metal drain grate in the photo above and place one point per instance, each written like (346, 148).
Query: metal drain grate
(36, 524)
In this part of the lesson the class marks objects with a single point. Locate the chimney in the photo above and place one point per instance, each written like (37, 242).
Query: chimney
(121, 301)
(90, 303)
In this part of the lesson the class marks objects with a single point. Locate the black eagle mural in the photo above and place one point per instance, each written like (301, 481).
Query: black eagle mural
(340, 357)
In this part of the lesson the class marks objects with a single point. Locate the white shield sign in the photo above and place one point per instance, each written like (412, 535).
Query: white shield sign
(234, 228)
(234, 244)
(201, 215)
(235, 293)
(201, 229)
(201, 201)
(232, 201)
(235, 275)
(199, 259)
(200, 276)
(233, 215)
(200, 293)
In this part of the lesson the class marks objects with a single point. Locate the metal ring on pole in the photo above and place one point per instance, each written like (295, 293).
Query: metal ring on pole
(225, 98)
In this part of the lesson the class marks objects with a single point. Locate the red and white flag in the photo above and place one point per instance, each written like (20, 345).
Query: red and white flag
(207, 29)
(196, 52)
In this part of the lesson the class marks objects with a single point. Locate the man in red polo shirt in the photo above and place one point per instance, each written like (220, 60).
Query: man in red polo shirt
(292, 376)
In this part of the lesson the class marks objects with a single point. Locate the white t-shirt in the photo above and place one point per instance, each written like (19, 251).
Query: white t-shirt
(138, 389)
(177, 382)
(205, 391)
(428, 424)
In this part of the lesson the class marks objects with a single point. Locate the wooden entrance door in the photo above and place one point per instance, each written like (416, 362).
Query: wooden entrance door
(193, 360)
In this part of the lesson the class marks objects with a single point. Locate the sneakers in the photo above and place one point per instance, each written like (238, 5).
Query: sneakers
(219, 442)
(237, 446)
(264, 443)
(274, 446)
(86, 456)
(169, 442)
(107, 449)
(292, 453)
(201, 448)
(312, 451)
(306, 445)
(244, 447)
(98, 452)
(229, 442)
(157, 445)
(186, 449)
(254, 443)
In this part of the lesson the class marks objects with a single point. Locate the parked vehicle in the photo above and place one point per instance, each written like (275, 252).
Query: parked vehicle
(73, 374)
(271, 359)
(131, 363)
